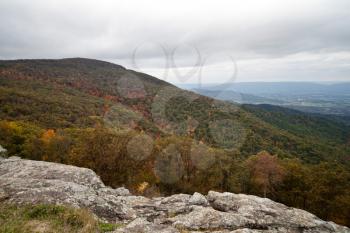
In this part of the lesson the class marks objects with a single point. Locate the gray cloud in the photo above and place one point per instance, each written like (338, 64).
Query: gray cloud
(270, 40)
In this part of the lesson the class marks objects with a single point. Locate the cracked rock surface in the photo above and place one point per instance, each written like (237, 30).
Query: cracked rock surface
(25, 181)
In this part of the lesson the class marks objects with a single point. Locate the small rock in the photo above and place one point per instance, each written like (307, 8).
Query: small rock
(210, 219)
(183, 198)
(122, 192)
(143, 226)
(198, 199)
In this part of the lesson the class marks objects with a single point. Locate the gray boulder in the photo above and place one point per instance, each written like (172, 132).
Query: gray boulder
(25, 181)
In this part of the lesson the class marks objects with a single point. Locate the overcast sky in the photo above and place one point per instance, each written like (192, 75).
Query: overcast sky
(186, 41)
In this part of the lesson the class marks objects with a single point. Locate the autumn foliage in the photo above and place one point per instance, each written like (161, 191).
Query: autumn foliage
(265, 171)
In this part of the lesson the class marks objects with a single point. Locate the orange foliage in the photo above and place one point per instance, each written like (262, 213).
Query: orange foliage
(48, 135)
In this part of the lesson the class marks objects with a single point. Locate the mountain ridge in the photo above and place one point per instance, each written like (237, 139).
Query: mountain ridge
(114, 84)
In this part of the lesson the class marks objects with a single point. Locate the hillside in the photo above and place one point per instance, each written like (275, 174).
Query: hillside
(37, 182)
(324, 127)
(137, 131)
(74, 92)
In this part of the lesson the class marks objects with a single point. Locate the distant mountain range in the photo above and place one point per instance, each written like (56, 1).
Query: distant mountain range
(330, 99)
(271, 88)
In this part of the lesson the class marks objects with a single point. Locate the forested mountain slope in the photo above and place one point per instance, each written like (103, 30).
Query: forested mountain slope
(74, 92)
(325, 127)
(144, 133)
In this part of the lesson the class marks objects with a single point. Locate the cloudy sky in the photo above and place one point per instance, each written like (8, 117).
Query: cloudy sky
(186, 41)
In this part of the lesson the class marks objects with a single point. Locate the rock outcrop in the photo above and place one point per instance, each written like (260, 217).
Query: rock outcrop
(25, 181)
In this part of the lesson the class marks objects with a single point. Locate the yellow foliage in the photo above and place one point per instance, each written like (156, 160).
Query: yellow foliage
(12, 126)
(142, 187)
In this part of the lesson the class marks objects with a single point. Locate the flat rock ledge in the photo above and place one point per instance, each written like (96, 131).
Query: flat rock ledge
(25, 181)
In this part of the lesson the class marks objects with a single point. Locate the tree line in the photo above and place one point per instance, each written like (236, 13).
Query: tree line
(171, 164)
